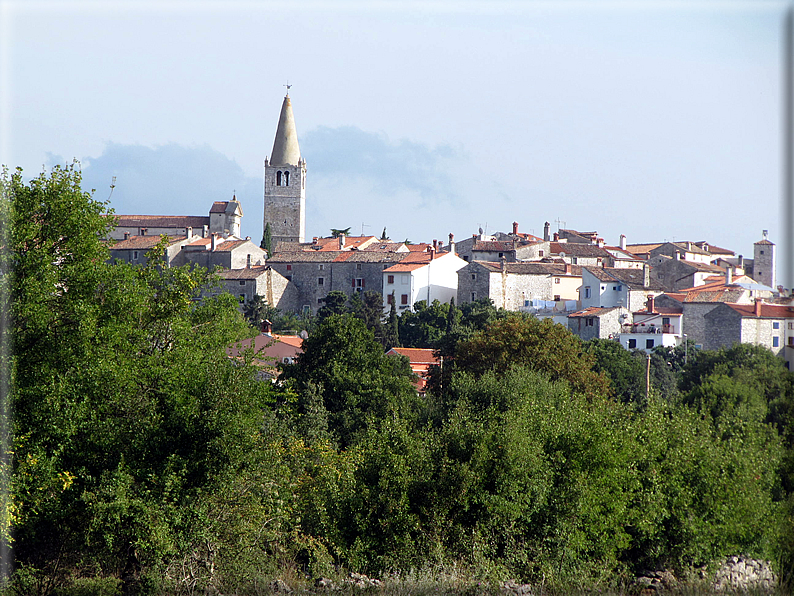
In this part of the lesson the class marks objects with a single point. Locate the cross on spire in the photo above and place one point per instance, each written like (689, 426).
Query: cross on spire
(288, 86)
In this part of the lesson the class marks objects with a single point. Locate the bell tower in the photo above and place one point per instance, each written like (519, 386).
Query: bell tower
(285, 182)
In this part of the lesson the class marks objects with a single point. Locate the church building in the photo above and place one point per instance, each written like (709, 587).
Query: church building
(285, 182)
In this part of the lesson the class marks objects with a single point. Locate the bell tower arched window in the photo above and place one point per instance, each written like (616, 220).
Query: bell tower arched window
(286, 178)
(278, 178)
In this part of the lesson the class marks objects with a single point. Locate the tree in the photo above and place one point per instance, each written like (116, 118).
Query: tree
(391, 332)
(344, 363)
(267, 240)
(257, 310)
(383, 236)
(335, 304)
(625, 371)
(539, 345)
(335, 233)
(128, 411)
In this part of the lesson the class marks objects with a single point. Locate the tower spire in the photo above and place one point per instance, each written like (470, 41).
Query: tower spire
(285, 147)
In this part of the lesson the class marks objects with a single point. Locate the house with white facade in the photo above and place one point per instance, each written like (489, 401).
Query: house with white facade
(653, 326)
(611, 286)
(421, 276)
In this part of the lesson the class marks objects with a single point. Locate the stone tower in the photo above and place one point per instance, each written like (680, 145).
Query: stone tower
(764, 262)
(285, 182)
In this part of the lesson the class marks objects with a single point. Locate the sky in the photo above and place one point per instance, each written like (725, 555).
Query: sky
(657, 120)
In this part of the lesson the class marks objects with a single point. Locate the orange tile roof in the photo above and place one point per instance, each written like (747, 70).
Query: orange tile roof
(292, 340)
(773, 311)
(417, 355)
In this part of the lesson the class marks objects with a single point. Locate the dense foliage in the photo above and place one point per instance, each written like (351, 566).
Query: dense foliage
(145, 461)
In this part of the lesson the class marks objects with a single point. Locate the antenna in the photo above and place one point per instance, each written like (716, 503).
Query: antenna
(362, 227)
(558, 222)
(112, 186)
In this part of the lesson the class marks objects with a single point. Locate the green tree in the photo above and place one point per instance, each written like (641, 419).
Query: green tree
(343, 361)
(267, 240)
(626, 372)
(540, 345)
(128, 412)
(335, 233)
(335, 304)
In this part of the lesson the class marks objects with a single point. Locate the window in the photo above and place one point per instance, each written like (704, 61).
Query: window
(775, 325)
(389, 279)
(775, 341)
(390, 299)
(242, 299)
(556, 297)
(603, 287)
(665, 320)
(358, 266)
(648, 344)
(473, 276)
(289, 267)
(540, 253)
(526, 302)
(321, 267)
(278, 178)
(404, 299)
(134, 255)
(501, 254)
(632, 344)
(588, 322)
(790, 325)
(473, 296)
(556, 280)
(761, 252)
(286, 178)
(574, 261)
(358, 284)
(320, 281)
(587, 292)
(306, 310)
(320, 300)
(242, 282)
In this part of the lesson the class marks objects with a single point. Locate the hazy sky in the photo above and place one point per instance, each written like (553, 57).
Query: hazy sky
(661, 121)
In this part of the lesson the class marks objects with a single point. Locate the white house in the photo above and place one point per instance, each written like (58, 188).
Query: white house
(421, 276)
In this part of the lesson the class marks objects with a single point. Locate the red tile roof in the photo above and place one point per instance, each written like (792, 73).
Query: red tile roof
(417, 355)
(768, 311)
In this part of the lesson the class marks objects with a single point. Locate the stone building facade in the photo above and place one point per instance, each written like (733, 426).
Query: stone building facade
(229, 253)
(224, 218)
(285, 182)
(315, 273)
(597, 322)
(259, 280)
(514, 285)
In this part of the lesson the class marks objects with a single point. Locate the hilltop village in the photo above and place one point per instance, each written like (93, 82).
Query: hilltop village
(641, 295)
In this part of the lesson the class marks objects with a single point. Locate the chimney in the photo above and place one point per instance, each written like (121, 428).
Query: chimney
(126, 235)
(452, 243)
(205, 231)
(432, 252)
(143, 231)
(503, 263)
(314, 240)
(728, 275)
(515, 228)
(556, 236)
(546, 236)
(677, 256)
(248, 262)
(600, 242)
(267, 327)
(646, 275)
(341, 241)
(741, 262)
(435, 244)
(568, 269)
(189, 233)
(757, 307)
(213, 242)
(650, 305)
(623, 241)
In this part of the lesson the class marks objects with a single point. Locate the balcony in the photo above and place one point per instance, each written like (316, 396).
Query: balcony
(640, 328)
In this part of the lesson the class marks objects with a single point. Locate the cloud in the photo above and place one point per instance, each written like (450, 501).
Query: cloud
(170, 179)
(350, 155)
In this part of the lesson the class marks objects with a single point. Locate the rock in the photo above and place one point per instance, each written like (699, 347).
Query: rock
(280, 586)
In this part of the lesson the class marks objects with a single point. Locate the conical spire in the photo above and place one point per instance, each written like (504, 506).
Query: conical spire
(285, 147)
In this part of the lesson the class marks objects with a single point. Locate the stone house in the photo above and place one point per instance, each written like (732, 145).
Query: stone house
(596, 322)
(419, 276)
(768, 325)
(259, 280)
(517, 286)
(682, 251)
(133, 249)
(217, 251)
(675, 274)
(315, 273)
(224, 218)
